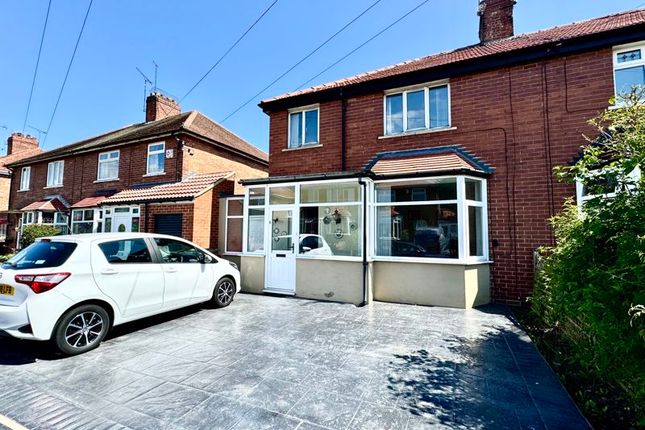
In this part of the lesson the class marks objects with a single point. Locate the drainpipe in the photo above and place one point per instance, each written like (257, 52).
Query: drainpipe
(343, 139)
(365, 263)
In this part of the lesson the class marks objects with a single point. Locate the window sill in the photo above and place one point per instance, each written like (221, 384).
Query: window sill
(310, 146)
(446, 261)
(330, 258)
(415, 132)
(53, 186)
(147, 175)
(106, 180)
(23, 191)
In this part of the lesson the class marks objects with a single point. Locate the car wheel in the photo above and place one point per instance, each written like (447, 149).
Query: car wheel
(223, 293)
(81, 329)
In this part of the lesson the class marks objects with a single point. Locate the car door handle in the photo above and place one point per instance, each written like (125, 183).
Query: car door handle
(171, 270)
(109, 272)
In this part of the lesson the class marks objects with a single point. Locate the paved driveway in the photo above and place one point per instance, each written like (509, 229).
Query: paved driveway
(280, 363)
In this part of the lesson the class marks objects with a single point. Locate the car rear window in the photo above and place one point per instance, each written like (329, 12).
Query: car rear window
(126, 251)
(41, 254)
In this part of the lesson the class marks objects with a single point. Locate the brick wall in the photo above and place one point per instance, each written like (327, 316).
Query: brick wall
(225, 188)
(201, 157)
(523, 120)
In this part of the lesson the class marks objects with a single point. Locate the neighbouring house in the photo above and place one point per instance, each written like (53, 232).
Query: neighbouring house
(164, 175)
(431, 181)
(19, 146)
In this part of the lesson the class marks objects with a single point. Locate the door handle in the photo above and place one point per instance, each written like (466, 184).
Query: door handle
(171, 270)
(109, 272)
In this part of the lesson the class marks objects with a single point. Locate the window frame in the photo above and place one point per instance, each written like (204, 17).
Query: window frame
(303, 110)
(582, 198)
(226, 218)
(96, 221)
(627, 65)
(463, 257)
(25, 179)
(61, 173)
(117, 160)
(403, 91)
(161, 151)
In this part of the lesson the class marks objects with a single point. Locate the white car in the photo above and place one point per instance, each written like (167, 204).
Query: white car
(314, 244)
(73, 289)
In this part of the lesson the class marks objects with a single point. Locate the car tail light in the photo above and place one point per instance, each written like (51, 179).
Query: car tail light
(41, 283)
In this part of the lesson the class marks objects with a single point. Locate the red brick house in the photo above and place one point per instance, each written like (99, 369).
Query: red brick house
(166, 175)
(431, 181)
(19, 146)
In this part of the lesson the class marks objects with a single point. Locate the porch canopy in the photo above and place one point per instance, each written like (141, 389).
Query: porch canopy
(424, 162)
(89, 202)
(186, 189)
(52, 204)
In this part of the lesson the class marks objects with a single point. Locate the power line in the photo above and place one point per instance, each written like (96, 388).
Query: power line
(69, 67)
(301, 60)
(40, 50)
(239, 39)
(366, 42)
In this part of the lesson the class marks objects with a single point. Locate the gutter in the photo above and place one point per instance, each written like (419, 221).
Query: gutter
(365, 263)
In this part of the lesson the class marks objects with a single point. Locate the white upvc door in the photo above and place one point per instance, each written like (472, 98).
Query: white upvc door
(122, 223)
(281, 258)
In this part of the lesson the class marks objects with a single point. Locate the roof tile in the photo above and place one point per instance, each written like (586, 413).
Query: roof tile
(187, 189)
(501, 46)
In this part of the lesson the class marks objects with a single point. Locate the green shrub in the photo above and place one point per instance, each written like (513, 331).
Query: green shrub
(32, 232)
(591, 287)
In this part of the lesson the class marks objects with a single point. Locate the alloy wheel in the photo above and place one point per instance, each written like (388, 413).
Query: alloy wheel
(84, 329)
(225, 292)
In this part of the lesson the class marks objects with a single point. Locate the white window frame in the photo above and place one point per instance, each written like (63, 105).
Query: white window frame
(295, 206)
(97, 218)
(462, 221)
(226, 218)
(426, 100)
(53, 182)
(25, 178)
(303, 110)
(629, 64)
(581, 198)
(155, 152)
(108, 160)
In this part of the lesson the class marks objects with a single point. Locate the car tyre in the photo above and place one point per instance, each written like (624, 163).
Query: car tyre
(223, 293)
(81, 329)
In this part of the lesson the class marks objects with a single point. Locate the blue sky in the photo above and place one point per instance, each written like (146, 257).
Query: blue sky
(104, 91)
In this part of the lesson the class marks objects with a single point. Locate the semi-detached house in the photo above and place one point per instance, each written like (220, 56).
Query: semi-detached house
(164, 175)
(431, 181)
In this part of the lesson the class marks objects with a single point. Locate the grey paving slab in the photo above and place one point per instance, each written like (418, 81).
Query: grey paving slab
(269, 362)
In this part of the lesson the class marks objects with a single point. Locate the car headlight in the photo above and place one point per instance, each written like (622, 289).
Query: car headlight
(234, 265)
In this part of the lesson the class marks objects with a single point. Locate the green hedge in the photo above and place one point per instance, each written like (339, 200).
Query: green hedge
(32, 232)
(590, 291)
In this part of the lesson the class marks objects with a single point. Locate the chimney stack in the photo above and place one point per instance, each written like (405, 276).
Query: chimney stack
(159, 106)
(19, 142)
(495, 19)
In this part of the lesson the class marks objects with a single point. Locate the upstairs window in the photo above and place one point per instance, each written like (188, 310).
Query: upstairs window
(156, 158)
(108, 166)
(25, 175)
(303, 127)
(417, 109)
(55, 171)
(629, 68)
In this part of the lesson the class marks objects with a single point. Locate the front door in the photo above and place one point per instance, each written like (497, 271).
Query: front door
(122, 223)
(281, 260)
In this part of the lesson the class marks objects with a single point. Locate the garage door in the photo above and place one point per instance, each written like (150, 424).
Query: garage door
(168, 224)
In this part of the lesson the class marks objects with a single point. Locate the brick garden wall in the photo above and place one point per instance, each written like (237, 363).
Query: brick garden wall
(523, 120)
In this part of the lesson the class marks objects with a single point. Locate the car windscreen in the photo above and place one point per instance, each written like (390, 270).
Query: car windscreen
(40, 255)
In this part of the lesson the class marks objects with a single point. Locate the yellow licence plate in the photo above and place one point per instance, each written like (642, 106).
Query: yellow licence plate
(6, 290)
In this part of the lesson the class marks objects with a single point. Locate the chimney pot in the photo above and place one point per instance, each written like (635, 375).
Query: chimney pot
(159, 106)
(495, 19)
